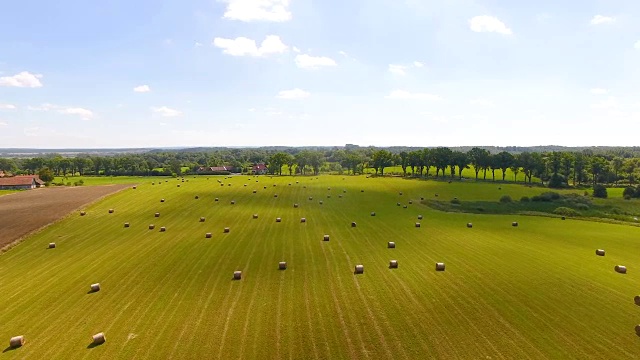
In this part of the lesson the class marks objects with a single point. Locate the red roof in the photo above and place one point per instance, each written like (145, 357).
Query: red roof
(259, 167)
(19, 181)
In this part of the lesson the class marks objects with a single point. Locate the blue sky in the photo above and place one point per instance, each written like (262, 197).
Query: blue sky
(144, 73)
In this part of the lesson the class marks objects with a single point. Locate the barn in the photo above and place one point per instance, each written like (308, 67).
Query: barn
(20, 182)
(259, 169)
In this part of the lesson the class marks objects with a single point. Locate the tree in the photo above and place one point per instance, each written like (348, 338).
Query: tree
(8, 165)
(461, 160)
(174, 166)
(579, 166)
(494, 164)
(599, 191)
(291, 161)
(504, 160)
(478, 158)
(277, 161)
(45, 175)
(617, 164)
(382, 159)
(597, 165)
(404, 161)
(302, 160)
(630, 166)
(316, 160)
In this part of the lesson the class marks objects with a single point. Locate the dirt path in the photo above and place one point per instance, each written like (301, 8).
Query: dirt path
(25, 212)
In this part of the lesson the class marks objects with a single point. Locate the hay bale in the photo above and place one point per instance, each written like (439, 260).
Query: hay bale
(400, 193)
(353, 224)
(95, 287)
(391, 245)
(600, 252)
(255, 191)
(157, 214)
(393, 264)
(274, 185)
(419, 217)
(326, 238)
(153, 183)
(303, 220)
(563, 218)
(320, 202)
(289, 184)
(226, 230)
(229, 184)
(636, 300)
(111, 211)
(404, 206)
(233, 202)
(439, 266)
(217, 199)
(221, 184)
(197, 197)
(621, 269)
(361, 190)
(202, 219)
(237, 275)
(437, 195)
(417, 224)
(178, 185)
(373, 213)
(469, 225)
(398, 204)
(421, 198)
(16, 341)
(83, 213)
(278, 219)
(359, 269)
(207, 236)
(98, 339)
(163, 229)
(161, 200)
(328, 196)
(282, 265)
(275, 195)
(52, 245)
(255, 216)
(310, 198)
(126, 225)
(514, 224)
(340, 196)
(135, 187)
(410, 202)
(245, 185)
(264, 187)
(295, 205)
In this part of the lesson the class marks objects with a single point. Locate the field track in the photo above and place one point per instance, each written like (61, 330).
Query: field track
(24, 212)
(536, 291)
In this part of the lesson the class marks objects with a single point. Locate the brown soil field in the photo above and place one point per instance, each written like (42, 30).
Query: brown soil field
(25, 212)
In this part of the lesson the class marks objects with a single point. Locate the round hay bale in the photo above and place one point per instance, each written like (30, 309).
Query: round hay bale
(264, 187)
(126, 225)
(98, 339)
(410, 202)
(178, 185)
(95, 287)
(282, 265)
(310, 198)
(217, 199)
(362, 190)
(83, 213)
(563, 218)
(274, 185)
(233, 202)
(221, 184)
(16, 341)
(197, 197)
(163, 229)
(437, 195)
(207, 236)
(391, 245)
(600, 252)
(151, 227)
(52, 245)
(419, 217)
(320, 202)
(295, 205)
(514, 224)
(373, 213)
(289, 184)
(359, 269)
(255, 191)
(393, 264)
(328, 196)
(439, 266)
(135, 187)
(226, 230)
(161, 200)
(353, 224)
(499, 188)
(255, 216)
(326, 238)
(404, 206)
(237, 275)
(398, 204)
(229, 184)
(400, 193)
(621, 269)
(421, 198)
(275, 195)
(278, 220)
(202, 219)
(153, 183)
(157, 214)
(636, 300)
(111, 211)
(469, 225)
(245, 185)
(417, 224)
(303, 220)
(340, 196)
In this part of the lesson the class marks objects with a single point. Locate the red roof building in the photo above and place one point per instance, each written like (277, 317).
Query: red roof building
(23, 182)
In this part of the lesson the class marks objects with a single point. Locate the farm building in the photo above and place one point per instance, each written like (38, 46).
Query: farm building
(214, 170)
(25, 182)
(259, 169)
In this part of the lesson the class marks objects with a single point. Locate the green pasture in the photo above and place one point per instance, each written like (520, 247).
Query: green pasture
(536, 291)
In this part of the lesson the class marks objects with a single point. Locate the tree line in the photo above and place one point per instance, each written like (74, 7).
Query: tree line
(553, 168)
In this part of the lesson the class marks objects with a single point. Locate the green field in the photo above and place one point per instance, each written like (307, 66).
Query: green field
(535, 291)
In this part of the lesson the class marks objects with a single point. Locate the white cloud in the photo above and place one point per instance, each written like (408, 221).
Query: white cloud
(142, 89)
(243, 46)
(637, 45)
(609, 103)
(397, 69)
(296, 50)
(24, 79)
(2, 123)
(486, 23)
(418, 64)
(481, 102)
(258, 10)
(600, 19)
(598, 91)
(197, 44)
(305, 61)
(343, 53)
(7, 107)
(84, 114)
(166, 112)
(252, 110)
(294, 94)
(402, 94)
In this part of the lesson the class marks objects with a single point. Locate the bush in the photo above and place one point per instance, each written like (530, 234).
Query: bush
(627, 197)
(557, 181)
(546, 197)
(582, 206)
(628, 191)
(565, 211)
(600, 191)
(525, 199)
(505, 199)
(455, 201)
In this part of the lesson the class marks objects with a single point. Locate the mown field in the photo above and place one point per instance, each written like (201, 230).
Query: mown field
(536, 291)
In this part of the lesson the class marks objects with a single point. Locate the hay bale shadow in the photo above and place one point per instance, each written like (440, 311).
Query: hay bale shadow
(92, 345)
(92, 291)
(10, 348)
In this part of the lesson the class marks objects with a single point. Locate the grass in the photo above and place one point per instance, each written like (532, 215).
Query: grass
(536, 291)
(7, 192)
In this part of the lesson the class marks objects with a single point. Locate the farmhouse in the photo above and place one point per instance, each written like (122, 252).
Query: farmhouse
(20, 182)
(259, 169)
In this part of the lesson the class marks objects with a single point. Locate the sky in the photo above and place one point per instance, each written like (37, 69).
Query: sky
(160, 73)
